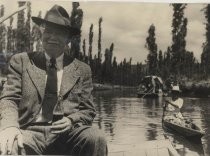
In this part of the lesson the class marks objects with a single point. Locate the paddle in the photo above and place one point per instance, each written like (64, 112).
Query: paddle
(147, 92)
(164, 109)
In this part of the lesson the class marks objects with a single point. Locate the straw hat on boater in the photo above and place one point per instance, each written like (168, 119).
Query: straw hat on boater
(175, 89)
(58, 17)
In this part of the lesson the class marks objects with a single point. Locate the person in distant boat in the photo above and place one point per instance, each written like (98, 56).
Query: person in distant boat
(151, 86)
(173, 106)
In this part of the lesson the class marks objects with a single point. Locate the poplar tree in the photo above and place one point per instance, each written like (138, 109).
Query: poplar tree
(111, 52)
(160, 60)
(99, 39)
(10, 36)
(2, 32)
(152, 47)
(20, 29)
(179, 32)
(90, 44)
(99, 64)
(27, 36)
(36, 36)
(76, 21)
(205, 56)
(115, 71)
(85, 57)
(107, 73)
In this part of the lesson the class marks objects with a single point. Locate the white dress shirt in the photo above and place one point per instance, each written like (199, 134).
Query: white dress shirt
(59, 66)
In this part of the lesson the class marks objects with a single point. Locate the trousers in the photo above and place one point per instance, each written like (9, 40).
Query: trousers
(80, 141)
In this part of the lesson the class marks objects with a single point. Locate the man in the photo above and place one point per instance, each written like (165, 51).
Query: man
(46, 105)
(174, 104)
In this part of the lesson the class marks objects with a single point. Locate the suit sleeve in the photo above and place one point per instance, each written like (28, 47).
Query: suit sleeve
(86, 111)
(11, 94)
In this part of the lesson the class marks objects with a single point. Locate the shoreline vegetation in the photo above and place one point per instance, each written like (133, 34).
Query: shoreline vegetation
(196, 88)
(104, 87)
(192, 88)
(189, 88)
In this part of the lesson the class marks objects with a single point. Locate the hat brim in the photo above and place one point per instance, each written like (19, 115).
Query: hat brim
(72, 30)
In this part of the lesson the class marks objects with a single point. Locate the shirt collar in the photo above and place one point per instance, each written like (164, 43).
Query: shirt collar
(59, 60)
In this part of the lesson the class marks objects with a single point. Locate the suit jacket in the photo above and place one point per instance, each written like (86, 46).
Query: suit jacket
(23, 93)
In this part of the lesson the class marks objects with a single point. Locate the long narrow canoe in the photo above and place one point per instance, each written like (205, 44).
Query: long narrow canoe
(193, 132)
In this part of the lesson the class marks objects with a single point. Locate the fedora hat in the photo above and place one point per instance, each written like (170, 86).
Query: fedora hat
(58, 17)
(175, 89)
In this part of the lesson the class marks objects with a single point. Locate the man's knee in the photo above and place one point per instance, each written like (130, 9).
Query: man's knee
(95, 143)
(94, 136)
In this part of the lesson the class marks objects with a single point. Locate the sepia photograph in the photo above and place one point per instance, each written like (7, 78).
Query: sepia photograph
(104, 78)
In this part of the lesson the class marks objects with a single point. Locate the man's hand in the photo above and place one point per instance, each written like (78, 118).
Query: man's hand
(7, 138)
(61, 126)
(167, 101)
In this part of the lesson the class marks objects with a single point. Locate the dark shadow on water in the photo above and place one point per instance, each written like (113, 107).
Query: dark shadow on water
(205, 109)
(150, 110)
(106, 113)
(151, 131)
(185, 146)
(152, 105)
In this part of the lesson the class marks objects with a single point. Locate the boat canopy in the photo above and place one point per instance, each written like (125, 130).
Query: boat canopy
(157, 79)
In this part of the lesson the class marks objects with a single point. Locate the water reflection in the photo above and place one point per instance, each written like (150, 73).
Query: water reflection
(185, 147)
(152, 106)
(126, 119)
(205, 109)
(151, 132)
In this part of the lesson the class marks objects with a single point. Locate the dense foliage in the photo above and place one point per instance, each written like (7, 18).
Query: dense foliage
(175, 60)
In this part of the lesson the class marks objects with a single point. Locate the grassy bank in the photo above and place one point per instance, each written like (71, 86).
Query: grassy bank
(196, 88)
(101, 87)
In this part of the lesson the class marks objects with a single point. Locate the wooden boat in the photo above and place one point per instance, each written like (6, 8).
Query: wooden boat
(150, 87)
(193, 132)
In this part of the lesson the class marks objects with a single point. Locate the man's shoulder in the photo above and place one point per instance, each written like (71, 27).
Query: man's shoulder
(82, 65)
(180, 99)
(24, 55)
(19, 57)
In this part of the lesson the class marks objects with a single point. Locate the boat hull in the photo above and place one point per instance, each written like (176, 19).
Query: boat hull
(193, 134)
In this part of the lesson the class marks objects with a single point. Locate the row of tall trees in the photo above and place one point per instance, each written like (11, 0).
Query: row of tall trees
(177, 60)
(205, 56)
(27, 37)
(105, 70)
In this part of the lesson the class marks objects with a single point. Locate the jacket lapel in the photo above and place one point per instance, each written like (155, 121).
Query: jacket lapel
(70, 75)
(37, 72)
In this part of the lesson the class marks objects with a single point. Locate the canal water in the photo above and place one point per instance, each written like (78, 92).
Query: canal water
(127, 119)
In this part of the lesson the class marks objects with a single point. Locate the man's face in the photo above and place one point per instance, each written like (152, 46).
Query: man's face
(54, 39)
(175, 95)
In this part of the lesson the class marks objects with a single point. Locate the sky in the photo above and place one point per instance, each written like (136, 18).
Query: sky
(126, 25)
